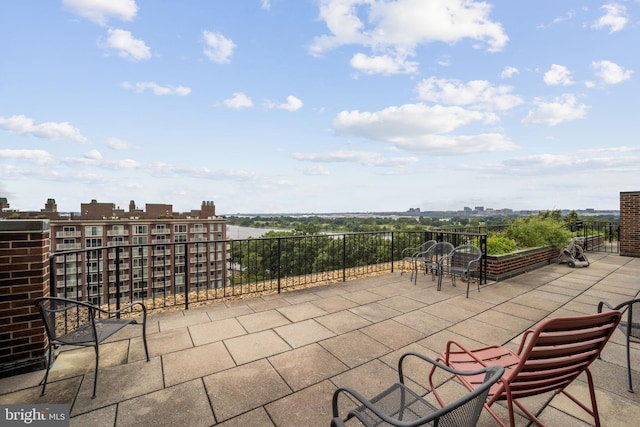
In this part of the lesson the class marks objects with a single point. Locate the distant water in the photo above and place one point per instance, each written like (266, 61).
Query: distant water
(235, 232)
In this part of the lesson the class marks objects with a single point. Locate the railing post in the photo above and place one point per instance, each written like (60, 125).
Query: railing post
(483, 264)
(187, 276)
(52, 275)
(344, 258)
(279, 261)
(117, 261)
(392, 257)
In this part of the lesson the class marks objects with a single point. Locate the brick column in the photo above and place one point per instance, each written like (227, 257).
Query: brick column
(24, 275)
(630, 223)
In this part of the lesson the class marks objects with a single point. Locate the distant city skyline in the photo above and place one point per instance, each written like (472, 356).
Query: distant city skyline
(131, 205)
(320, 105)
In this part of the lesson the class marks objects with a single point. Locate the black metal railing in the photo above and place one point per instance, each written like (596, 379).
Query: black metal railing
(186, 273)
(599, 236)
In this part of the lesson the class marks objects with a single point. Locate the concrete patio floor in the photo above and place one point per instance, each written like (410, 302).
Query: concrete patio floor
(276, 360)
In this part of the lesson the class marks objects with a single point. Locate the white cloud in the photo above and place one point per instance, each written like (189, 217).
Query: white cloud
(265, 4)
(614, 18)
(218, 48)
(409, 120)
(393, 29)
(239, 100)
(49, 130)
(157, 89)
(315, 170)
(93, 154)
(126, 45)
(509, 72)
(39, 157)
(478, 94)
(558, 75)
(292, 104)
(118, 144)
(383, 64)
(610, 72)
(100, 11)
(420, 127)
(561, 109)
(567, 17)
(443, 61)
(610, 161)
(95, 159)
(364, 158)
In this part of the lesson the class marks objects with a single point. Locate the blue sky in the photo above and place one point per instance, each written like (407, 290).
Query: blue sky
(320, 105)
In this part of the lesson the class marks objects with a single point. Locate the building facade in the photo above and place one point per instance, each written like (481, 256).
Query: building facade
(104, 252)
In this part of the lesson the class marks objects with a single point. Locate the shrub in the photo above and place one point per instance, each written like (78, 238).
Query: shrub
(534, 231)
(498, 244)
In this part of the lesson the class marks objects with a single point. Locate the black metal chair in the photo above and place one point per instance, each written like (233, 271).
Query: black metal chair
(464, 262)
(630, 328)
(430, 259)
(400, 406)
(409, 255)
(78, 323)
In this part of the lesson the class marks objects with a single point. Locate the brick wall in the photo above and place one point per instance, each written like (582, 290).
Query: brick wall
(501, 267)
(630, 223)
(24, 275)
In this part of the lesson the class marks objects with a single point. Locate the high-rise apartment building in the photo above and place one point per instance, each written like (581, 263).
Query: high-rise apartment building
(140, 254)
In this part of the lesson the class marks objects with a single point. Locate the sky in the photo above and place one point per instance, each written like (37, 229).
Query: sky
(317, 106)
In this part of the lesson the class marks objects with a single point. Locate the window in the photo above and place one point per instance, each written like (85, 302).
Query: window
(140, 240)
(93, 243)
(140, 262)
(180, 228)
(180, 238)
(140, 251)
(140, 229)
(93, 230)
(94, 277)
(94, 265)
(69, 229)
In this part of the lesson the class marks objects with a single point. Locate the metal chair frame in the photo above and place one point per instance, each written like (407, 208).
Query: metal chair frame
(630, 329)
(464, 262)
(78, 323)
(410, 254)
(550, 357)
(430, 259)
(410, 409)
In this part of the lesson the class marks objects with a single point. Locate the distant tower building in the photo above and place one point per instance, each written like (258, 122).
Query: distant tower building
(132, 206)
(50, 206)
(95, 210)
(208, 209)
(4, 203)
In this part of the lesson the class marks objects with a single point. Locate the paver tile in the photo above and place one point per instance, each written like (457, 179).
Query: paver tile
(248, 348)
(244, 388)
(305, 366)
(302, 333)
(263, 320)
(189, 406)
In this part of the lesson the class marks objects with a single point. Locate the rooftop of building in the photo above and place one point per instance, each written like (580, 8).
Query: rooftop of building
(275, 360)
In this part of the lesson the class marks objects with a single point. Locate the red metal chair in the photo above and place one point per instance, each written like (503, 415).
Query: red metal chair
(549, 358)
